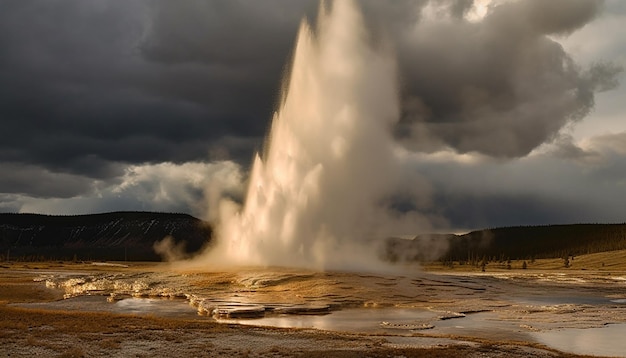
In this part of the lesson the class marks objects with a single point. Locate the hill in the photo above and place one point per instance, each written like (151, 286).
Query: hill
(527, 242)
(108, 236)
(131, 236)
(512, 243)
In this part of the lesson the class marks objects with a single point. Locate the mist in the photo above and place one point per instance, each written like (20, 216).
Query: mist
(337, 174)
(323, 192)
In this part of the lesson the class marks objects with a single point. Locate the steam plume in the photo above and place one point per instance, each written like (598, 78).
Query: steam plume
(323, 188)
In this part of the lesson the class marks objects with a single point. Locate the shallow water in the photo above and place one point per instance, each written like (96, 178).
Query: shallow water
(397, 322)
(605, 341)
(558, 299)
(138, 306)
(532, 307)
(389, 321)
(357, 320)
(154, 306)
(394, 321)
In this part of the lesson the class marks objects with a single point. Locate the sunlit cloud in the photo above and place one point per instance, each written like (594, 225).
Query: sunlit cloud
(169, 187)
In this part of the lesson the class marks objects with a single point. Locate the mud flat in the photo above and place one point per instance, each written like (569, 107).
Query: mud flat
(88, 310)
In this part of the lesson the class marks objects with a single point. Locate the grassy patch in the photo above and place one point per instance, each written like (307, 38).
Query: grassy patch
(25, 290)
(608, 261)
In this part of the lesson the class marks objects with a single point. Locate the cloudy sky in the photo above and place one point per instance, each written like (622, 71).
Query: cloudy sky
(513, 112)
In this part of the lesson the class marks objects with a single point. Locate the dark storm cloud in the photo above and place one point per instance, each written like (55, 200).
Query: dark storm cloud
(586, 186)
(502, 209)
(501, 86)
(137, 81)
(228, 56)
(83, 84)
(62, 66)
(223, 32)
(89, 87)
(18, 179)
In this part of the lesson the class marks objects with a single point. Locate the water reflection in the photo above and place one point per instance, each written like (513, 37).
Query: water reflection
(139, 306)
(361, 320)
(397, 322)
(155, 306)
(606, 341)
(567, 299)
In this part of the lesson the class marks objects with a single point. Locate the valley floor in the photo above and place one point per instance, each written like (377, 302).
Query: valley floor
(515, 304)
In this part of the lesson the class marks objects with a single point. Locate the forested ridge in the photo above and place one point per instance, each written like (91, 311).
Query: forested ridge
(107, 236)
(131, 236)
(527, 242)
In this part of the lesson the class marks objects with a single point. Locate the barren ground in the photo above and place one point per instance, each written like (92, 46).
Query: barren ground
(30, 326)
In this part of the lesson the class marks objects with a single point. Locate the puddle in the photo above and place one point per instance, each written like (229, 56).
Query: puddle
(605, 341)
(568, 299)
(155, 306)
(389, 321)
(356, 320)
(138, 306)
(485, 325)
(397, 322)
(565, 300)
(392, 321)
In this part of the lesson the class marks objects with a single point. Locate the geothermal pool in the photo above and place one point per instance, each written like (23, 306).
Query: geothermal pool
(578, 312)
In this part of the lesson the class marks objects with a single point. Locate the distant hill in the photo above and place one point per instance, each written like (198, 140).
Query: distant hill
(131, 236)
(514, 243)
(540, 241)
(109, 236)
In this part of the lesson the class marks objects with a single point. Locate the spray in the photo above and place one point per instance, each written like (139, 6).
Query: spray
(316, 197)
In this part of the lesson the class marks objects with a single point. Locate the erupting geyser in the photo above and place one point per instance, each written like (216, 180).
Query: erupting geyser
(317, 195)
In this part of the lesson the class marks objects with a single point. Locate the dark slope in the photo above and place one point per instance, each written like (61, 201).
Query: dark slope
(108, 236)
(131, 236)
(526, 242)
(515, 243)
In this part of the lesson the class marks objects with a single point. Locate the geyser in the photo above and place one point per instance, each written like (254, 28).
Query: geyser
(319, 193)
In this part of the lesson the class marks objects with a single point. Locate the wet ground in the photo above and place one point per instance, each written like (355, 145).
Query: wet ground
(581, 312)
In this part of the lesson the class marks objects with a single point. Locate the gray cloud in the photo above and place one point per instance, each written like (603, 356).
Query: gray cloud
(154, 81)
(554, 17)
(190, 187)
(77, 93)
(223, 32)
(501, 86)
(539, 189)
(565, 147)
(18, 179)
(89, 88)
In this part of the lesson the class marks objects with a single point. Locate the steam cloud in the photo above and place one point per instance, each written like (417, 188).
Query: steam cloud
(118, 108)
(169, 250)
(321, 190)
(499, 85)
(331, 178)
